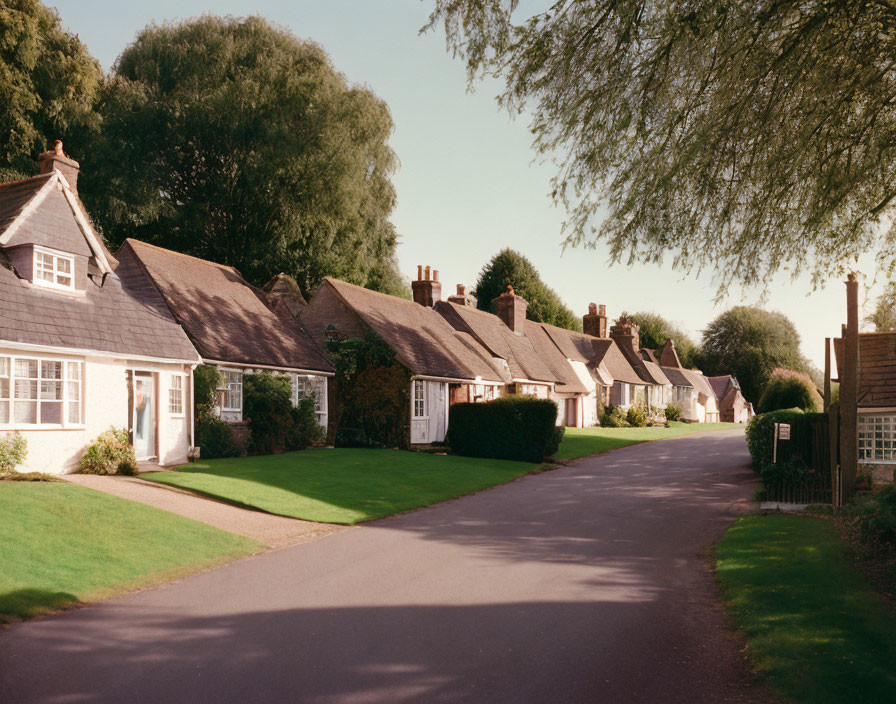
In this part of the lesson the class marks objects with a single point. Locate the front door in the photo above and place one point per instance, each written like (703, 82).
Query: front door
(571, 408)
(144, 416)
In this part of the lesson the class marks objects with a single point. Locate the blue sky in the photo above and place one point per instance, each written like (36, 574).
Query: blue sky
(467, 185)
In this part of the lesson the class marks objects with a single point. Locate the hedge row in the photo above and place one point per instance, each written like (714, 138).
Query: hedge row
(794, 455)
(513, 428)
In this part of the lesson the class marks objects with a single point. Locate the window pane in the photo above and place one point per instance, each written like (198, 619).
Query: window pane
(63, 266)
(26, 412)
(74, 370)
(74, 412)
(4, 412)
(64, 280)
(26, 368)
(26, 389)
(74, 391)
(4, 387)
(4, 366)
(51, 413)
(51, 390)
(50, 370)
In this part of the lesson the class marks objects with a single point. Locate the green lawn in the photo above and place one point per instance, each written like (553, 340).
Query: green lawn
(341, 485)
(582, 442)
(62, 544)
(815, 628)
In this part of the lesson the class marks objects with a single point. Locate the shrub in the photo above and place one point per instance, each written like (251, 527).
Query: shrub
(673, 412)
(637, 416)
(275, 425)
(513, 427)
(613, 417)
(206, 381)
(794, 455)
(110, 453)
(877, 518)
(789, 389)
(215, 438)
(306, 431)
(13, 450)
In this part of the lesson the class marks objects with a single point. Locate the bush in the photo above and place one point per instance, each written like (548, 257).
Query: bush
(789, 389)
(215, 438)
(513, 428)
(794, 455)
(306, 431)
(275, 425)
(206, 381)
(613, 417)
(637, 416)
(877, 518)
(110, 453)
(673, 412)
(13, 450)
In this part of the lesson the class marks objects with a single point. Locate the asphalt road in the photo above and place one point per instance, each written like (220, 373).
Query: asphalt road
(588, 583)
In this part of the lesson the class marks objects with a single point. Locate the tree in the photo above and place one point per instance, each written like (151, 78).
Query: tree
(232, 140)
(509, 267)
(48, 84)
(750, 343)
(747, 136)
(884, 315)
(655, 330)
(789, 389)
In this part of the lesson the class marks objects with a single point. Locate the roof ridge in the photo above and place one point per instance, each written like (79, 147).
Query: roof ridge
(47, 175)
(181, 254)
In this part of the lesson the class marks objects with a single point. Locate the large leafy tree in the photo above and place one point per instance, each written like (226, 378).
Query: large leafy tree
(883, 317)
(746, 136)
(751, 343)
(233, 140)
(48, 84)
(509, 267)
(655, 330)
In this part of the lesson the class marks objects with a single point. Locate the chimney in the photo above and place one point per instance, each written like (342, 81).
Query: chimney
(284, 294)
(595, 323)
(625, 332)
(462, 298)
(512, 310)
(669, 357)
(427, 289)
(56, 159)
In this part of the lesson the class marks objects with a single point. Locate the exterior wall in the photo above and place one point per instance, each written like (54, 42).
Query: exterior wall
(105, 403)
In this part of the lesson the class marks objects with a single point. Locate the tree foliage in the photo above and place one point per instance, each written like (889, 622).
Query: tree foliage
(509, 267)
(48, 84)
(655, 330)
(789, 389)
(750, 343)
(233, 140)
(883, 317)
(747, 136)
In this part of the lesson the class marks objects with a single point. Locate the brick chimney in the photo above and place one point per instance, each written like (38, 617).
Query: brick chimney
(462, 298)
(669, 357)
(626, 333)
(512, 310)
(427, 289)
(595, 323)
(56, 159)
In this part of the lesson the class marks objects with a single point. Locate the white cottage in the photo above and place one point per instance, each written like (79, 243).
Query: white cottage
(85, 340)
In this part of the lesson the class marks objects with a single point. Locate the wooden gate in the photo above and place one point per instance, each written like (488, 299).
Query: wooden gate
(809, 444)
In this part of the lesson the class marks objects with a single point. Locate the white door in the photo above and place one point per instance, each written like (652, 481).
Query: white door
(439, 413)
(144, 415)
(419, 412)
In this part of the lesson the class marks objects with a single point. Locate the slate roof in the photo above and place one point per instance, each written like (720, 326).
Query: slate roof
(656, 373)
(490, 331)
(15, 195)
(607, 352)
(421, 338)
(578, 347)
(720, 385)
(125, 316)
(877, 368)
(677, 377)
(550, 354)
(226, 318)
(702, 384)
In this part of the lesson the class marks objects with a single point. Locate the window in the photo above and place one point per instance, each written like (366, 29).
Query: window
(419, 399)
(36, 391)
(53, 269)
(877, 437)
(233, 391)
(176, 395)
(301, 388)
(310, 387)
(625, 394)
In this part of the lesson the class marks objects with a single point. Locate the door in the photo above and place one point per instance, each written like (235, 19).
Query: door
(571, 420)
(144, 415)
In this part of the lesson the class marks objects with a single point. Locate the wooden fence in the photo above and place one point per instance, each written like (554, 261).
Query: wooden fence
(810, 444)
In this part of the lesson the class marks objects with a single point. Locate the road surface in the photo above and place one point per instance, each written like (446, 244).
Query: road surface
(587, 583)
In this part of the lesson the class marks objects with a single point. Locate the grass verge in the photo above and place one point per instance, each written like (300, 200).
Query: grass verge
(61, 545)
(582, 442)
(814, 626)
(342, 485)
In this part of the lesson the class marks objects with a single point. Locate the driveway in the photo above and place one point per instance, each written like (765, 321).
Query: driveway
(587, 583)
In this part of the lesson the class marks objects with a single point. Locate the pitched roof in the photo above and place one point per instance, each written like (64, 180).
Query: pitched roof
(607, 352)
(677, 377)
(15, 195)
(490, 331)
(877, 368)
(720, 384)
(422, 339)
(649, 372)
(226, 317)
(656, 373)
(701, 383)
(550, 354)
(125, 315)
(578, 347)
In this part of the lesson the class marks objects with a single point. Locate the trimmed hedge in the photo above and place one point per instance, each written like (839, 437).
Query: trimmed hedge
(512, 428)
(789, 389)
(794, 455)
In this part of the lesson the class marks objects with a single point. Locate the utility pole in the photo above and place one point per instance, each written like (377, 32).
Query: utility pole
(849, 391)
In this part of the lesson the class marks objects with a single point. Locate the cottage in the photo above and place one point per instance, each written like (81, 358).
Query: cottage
(86, 341)
(235, 327)
(658, 388)
(445, 366)
(691, 391)
(733, 407)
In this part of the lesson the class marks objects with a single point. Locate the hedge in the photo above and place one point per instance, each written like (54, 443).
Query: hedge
(794, 455)
(513, 428)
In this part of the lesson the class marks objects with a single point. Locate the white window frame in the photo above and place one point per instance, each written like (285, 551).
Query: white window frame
(230, 388)
(625, 395)
(310, 386)
(71, 381)
(419, 399)
(176, 395)
(54, 269)
(877, 437)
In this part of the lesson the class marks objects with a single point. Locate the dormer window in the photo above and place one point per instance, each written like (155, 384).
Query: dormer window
(54, 269)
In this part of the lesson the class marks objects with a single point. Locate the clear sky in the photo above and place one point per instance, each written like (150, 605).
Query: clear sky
(467, 185)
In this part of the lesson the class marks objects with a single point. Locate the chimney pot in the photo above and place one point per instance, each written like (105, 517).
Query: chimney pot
(419, 272)
(56, 160)
(595, 322)
(602, 309)
(426, 274)
(435, 274)
(427, 291)
(461, 290)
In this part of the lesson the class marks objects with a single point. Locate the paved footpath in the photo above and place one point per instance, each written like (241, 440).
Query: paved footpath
(587, 583)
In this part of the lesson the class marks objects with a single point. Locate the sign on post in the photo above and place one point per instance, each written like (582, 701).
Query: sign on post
(784, 431)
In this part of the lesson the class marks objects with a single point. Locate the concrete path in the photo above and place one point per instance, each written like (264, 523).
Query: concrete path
(273, 531)
(587, 583)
